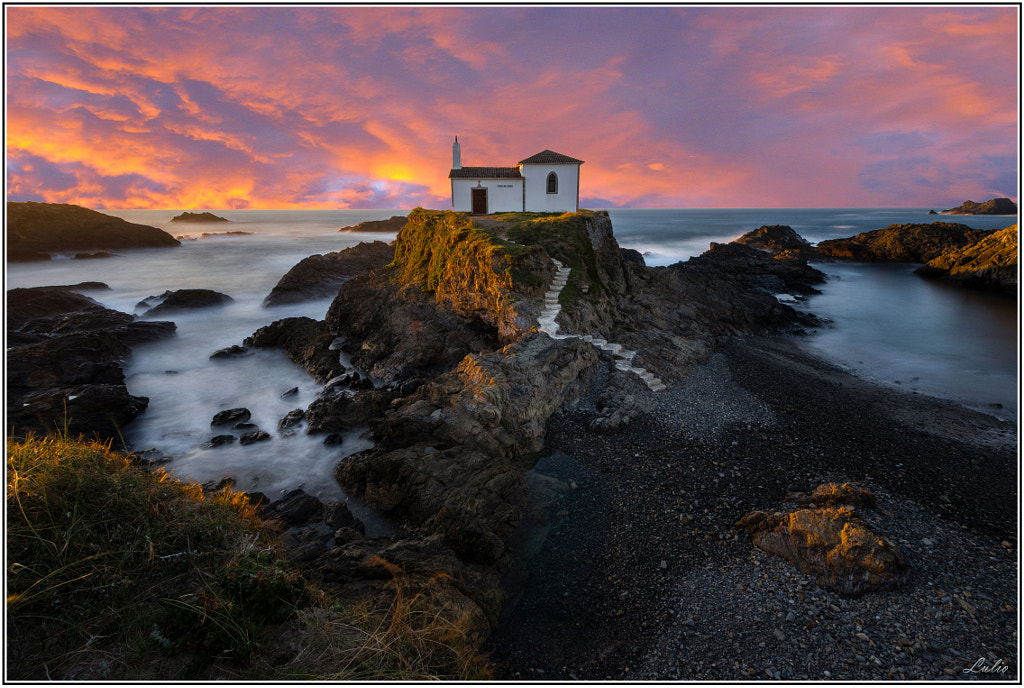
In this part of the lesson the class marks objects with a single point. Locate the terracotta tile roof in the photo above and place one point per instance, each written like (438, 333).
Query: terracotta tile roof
(486, 173)
(546, 157)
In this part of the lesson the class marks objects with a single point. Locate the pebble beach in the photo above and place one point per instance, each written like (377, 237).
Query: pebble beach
(631, 567)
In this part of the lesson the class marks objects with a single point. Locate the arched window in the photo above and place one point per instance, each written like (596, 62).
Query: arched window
(553, 183)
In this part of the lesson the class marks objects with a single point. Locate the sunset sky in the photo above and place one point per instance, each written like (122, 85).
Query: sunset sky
(345, 107)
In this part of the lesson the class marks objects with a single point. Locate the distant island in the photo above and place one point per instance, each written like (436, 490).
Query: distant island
(199, 217)
(993, 206)
(392, 224)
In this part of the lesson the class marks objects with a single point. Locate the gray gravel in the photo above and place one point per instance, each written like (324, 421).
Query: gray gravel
(630, 567)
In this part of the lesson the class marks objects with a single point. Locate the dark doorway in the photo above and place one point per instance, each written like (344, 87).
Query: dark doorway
(479, 201)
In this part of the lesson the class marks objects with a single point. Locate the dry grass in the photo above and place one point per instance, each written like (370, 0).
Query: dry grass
(118, 573)
(405, 634)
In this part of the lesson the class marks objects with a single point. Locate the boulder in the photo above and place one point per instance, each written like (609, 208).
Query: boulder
(231, 416)
(292, 419)
(910, 243)
(307, 343)
(233, 351)
(993, 206)
(831, 542)
(254, 436)
(320, 275)
(35, 229)
(217, 441)
(295, 508)
(990, 264)
(184, 299)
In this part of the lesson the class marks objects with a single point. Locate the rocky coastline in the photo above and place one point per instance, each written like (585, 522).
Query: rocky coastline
(579, 516)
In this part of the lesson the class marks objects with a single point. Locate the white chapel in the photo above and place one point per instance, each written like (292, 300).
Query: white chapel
(547, 182)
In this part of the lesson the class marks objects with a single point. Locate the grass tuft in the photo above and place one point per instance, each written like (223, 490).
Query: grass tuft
(118, 573)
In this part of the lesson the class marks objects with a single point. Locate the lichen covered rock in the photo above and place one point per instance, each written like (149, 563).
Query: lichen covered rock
(831, 542)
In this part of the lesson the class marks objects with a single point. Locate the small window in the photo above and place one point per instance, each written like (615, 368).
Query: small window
(553, 183)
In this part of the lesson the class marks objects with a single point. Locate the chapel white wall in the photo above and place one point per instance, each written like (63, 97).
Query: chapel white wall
(503, 195)
(538, 200)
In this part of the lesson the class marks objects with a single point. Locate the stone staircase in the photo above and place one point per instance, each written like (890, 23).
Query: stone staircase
(546, 323)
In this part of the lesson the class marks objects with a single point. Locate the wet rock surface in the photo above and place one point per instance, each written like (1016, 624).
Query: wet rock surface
(307, 343)
(320, 275)
(641, 574)
(64, 363)
(182, 299)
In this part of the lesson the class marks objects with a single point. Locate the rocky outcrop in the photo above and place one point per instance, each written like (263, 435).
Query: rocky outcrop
(465, 382)
(993, 206)
(320, 275)
(392, 224)
(182, 299)
(829, 541)
(35, 230)
(911, 243)
(990, 264)
(774, 238)
(204, 217)
(307, 343)
(64, 363)
(446, 461)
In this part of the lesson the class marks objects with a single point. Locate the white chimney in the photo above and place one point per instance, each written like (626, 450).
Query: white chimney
(456, 155)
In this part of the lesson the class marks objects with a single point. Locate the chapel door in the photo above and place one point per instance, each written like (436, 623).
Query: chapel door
(479, 201)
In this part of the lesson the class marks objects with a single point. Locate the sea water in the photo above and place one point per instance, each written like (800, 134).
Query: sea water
(886, 323)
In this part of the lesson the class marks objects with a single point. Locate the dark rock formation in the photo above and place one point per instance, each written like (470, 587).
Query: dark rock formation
(321, 275)
(36, 229)
(295, 508)
(990, 264)
(293, 418)
(64, 363)
(230, 416)
(233, 351)
(914, 243)
(307, 343)
(633, 256)
(254, 436)
(94, 254)
(468, 384)
(993, 206)
(774, 238)
(183, 299)
(392, 224)
(217, 441)
(782, 272)
(831, 542)
(199, 217)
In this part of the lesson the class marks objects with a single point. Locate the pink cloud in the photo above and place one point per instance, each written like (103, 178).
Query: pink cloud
(344, 106)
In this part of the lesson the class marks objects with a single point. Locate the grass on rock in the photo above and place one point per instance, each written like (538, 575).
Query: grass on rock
(115, 572)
